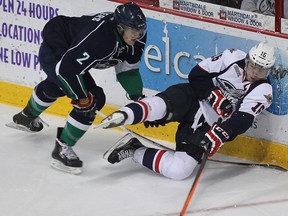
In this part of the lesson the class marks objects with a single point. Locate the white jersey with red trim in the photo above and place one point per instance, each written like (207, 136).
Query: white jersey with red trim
(245, 96)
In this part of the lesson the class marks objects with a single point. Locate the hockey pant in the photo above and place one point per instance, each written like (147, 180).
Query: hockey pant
(177, 103)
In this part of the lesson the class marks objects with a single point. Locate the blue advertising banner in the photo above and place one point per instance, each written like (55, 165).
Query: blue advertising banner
(172, 50)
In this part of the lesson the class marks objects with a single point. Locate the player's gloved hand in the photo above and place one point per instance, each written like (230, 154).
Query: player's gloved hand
(86, 106)
(217, 135)
(154, 123)
(136, 97)
(219, 103)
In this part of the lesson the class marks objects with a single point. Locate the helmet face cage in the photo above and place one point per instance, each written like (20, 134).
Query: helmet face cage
(130, 16)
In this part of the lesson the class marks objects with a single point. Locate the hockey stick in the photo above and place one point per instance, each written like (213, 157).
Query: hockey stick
(196, 180)
(247, 164)
(146, 139)
(272, 166)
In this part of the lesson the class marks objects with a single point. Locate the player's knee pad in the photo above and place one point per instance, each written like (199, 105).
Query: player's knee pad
(99, 96)
(177, 165)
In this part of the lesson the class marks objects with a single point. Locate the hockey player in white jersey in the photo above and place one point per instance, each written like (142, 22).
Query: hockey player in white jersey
(231, 86)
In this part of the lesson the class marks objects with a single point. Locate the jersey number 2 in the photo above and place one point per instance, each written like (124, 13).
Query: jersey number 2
(85, 57)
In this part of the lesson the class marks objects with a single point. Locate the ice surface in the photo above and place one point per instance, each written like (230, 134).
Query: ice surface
(30, 187)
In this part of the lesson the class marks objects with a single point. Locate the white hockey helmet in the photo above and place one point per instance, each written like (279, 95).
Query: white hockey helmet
(262, 56)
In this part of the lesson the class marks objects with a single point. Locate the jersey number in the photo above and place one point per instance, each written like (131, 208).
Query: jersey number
(258, 108)
(85, 57)
(100, 16)
(216, 57)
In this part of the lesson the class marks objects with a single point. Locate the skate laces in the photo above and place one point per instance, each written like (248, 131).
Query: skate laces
(37, 122)
(67, 151)
(123, 154)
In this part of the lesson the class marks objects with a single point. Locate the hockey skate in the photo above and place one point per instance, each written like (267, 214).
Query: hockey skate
(122, 149)
(114, 120)
(64, 158)
(26, 122)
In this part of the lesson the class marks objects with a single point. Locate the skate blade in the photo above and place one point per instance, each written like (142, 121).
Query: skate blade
(60, 166)
(19, 127)
(122, 141)
(108, 122)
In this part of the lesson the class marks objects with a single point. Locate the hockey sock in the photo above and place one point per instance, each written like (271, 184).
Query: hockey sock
(71, 134)
(147, 109)
(34, 108)
(35, 105)
(172, 164)
(151, 158)
(76, 126)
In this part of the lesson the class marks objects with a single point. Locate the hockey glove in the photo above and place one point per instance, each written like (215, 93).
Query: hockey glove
(217, 135)
(87, 109)
(219, 103)
(154, 123)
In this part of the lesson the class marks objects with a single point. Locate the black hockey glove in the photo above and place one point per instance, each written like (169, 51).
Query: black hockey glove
(88, 109)
(154, 123)
(217, 135)
(219, 103)
(136, 97)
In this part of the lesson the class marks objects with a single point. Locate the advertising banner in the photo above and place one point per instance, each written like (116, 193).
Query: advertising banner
(171, 55)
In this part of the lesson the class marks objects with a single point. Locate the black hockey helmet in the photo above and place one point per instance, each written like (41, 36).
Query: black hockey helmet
(130, 15)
